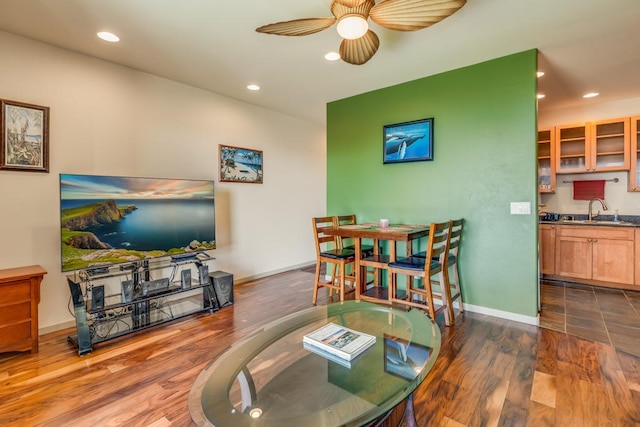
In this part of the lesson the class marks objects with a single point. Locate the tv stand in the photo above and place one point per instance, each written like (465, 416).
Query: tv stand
(119, 300)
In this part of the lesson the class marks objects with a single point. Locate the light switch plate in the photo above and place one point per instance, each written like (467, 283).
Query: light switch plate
(520, 208)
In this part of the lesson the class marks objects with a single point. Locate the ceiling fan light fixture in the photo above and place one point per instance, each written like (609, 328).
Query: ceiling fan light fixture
(352, 26)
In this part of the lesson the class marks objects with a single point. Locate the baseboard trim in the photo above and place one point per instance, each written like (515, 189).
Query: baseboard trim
(246, 279)
(57, 327)
(529, 320)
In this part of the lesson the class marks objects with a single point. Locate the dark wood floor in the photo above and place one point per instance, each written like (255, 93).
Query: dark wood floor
(490, 372)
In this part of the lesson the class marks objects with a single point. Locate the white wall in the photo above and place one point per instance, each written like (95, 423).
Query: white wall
(110, 120)
(616, 194)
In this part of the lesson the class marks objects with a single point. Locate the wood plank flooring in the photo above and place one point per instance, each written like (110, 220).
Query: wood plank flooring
(490, 372)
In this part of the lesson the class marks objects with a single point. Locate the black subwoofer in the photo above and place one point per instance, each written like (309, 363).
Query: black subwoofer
(223, 286)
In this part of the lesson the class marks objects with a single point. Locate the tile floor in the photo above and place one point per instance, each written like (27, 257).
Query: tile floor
(609, 316)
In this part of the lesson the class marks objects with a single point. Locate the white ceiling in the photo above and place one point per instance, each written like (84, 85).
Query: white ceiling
(586, 45)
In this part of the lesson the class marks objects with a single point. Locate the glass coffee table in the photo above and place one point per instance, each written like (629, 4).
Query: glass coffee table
(270, 379)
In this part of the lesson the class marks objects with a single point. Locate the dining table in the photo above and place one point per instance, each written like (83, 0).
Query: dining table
(394, 234)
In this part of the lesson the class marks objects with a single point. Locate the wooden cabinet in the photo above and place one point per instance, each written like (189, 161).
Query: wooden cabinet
(634, 169)
(602, 254)
(547, 242)
(546, 161)
(19, 298)
(599, 146)
(637, 273)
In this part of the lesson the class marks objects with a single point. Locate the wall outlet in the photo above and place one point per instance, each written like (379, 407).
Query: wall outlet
(520, 208)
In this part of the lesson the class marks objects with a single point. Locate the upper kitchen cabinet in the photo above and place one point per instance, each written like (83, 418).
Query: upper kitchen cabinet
(593, 147)
(634, 170)
(546, 161)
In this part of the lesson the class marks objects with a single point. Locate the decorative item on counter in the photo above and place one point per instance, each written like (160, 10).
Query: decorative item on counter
(588, 189)
(384, 223)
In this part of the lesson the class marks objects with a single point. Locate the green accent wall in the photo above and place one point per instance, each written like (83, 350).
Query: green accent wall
(484, 159)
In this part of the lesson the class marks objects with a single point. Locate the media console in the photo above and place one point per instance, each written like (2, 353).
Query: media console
(109, 302)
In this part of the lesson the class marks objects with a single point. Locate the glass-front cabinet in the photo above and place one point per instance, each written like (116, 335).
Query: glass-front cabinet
(572, 144)
(599, 146)
(610, 145)
(634, 170)
(546, 161)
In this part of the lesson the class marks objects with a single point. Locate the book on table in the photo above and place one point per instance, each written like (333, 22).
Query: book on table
(339, 341)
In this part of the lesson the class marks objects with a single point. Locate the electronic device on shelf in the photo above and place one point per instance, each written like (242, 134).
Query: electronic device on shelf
(183, 257)
(186, 279)
(97, 297)
(127, 291)
(97, 270)
(101, 313)
(154, 287)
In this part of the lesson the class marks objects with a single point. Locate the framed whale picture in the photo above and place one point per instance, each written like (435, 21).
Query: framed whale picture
(408, 141)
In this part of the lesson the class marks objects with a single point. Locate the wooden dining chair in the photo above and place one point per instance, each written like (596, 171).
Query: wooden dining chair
(455, 290)
(347, 243)
(330, 253)
(424, 272)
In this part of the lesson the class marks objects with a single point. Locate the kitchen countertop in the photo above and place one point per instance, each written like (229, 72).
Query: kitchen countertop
(592, 223)
(600, 220)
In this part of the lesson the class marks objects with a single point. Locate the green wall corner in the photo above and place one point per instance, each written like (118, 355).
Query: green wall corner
(484, 158)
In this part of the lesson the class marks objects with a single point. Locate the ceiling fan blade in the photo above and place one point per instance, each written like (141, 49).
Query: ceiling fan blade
(411, 15)
(350, 3)
(359, 51)
(297, 27)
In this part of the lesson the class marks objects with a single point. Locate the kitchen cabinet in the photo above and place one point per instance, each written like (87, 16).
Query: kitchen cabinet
(634, 169)
(637, 281)
(547, 242)
(598, 253)
(599, 146)
(546, 161)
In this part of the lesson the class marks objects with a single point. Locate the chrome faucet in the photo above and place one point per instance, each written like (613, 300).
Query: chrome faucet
(604, 206)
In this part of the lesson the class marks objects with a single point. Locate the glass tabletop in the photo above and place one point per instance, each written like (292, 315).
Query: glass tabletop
(270, 379)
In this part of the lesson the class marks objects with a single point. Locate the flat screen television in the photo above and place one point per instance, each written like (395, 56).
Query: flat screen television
(106, 220)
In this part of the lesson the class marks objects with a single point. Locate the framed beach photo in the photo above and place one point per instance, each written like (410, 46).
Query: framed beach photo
(24, 142)
(408, 141)
(239, 164)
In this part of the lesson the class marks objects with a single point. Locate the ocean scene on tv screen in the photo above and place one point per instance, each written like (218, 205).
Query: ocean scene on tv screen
(107, 220)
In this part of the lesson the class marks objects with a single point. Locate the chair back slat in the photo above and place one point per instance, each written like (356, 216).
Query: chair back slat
(455, 236)
(339, 220)
(320, 226)
(438, 245)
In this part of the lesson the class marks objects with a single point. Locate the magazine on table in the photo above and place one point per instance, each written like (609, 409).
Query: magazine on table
(339, 341)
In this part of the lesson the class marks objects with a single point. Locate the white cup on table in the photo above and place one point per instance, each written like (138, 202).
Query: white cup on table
(384, 223)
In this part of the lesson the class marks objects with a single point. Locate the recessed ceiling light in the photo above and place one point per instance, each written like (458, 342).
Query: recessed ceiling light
(540, 73)
(332, 56)
(109, 37)
(590, 95)
(540, 95)
(253, 87)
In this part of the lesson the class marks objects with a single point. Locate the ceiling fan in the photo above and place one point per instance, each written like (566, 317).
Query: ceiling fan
(359, 43)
